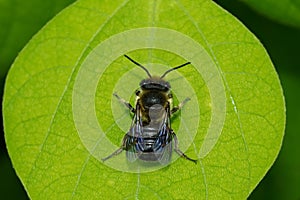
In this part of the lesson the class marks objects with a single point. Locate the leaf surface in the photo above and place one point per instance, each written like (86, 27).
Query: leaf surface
(237, 104)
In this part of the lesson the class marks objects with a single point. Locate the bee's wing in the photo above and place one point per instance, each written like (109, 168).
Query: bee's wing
(166, 139)
(132, 151)
(136, 123)
(165, 158)
(131, 156)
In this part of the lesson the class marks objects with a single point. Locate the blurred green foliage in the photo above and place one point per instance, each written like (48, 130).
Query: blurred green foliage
(20, 20)
(284, 11)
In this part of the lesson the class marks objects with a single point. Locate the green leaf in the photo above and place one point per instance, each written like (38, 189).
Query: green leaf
(284, 11)
(61, 118)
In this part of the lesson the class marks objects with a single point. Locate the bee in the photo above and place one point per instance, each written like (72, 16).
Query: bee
(150, 136)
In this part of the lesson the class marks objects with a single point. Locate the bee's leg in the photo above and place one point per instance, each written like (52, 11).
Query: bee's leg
(178, 151)
(127, 104)
(137, 92)
(176, 108)
(117, 152)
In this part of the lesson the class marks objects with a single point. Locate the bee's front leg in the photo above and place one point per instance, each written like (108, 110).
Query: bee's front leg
(176, 108)
(127, 104)
(178, 151)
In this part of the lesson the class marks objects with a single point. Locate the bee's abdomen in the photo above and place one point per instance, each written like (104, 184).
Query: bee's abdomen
(152, 139)
(146, 144)
(150, 143)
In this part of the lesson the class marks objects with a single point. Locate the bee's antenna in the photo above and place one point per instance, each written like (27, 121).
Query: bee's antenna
(138, 64)
(168, 71)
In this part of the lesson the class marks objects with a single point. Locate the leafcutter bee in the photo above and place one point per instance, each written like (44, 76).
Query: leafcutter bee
(150, 136)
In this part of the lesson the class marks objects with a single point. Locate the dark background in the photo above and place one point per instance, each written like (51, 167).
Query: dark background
(283, 45)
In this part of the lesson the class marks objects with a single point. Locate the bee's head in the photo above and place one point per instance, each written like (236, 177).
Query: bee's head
(155, 82)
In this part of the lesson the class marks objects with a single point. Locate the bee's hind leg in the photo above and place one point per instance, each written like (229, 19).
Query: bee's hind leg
(117, 152)
(178, 151)
(123, 101)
